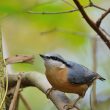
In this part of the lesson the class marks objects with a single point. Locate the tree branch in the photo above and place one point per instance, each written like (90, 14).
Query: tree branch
(102, 17)
(39, 81)
(92, 24)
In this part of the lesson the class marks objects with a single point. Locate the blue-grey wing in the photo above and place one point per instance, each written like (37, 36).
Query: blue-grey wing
(79, 74)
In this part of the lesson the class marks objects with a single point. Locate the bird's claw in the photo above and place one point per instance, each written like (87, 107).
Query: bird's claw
(67, 107)
(70, 106)
(48, 92)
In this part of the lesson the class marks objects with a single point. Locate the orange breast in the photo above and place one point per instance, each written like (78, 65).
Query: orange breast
(59, 80)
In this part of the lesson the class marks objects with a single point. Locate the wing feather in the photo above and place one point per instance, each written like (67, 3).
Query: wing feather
(79, 74)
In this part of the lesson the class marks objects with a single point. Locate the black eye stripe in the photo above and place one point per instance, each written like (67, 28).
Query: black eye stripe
(55, 58)
(58, 59)
(47, 57)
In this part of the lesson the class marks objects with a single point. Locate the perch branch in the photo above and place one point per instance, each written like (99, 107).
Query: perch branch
(92, 24)
(39, 81)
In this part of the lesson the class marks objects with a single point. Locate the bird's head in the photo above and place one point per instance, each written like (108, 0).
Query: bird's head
(52, 60)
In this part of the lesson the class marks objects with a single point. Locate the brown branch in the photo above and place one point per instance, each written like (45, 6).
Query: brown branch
(17, 103)
(19, 59)
(92, 24)
(39, 81)
(13, 102)
(102, 17)
(25, 102)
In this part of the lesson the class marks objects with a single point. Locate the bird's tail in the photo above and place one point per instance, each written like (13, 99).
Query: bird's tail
(101, 78)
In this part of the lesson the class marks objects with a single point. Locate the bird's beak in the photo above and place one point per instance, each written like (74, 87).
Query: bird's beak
(43, 56)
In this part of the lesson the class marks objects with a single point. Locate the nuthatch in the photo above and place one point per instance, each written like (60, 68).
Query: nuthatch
(68, 76)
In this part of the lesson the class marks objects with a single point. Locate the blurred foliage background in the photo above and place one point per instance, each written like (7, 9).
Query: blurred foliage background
(66, 34)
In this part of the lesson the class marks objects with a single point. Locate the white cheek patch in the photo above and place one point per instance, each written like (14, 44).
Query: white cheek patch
(55, 64)
(62, 66)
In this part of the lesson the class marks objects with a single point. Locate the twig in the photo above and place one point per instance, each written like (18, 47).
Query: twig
(19, 59)
(25, 102)
(62, 12)
(93, 5)
(39, 81)
(92, 24)
(64, 31)
(17, 103)
(102, 17)
(105, 31)
(13, 102)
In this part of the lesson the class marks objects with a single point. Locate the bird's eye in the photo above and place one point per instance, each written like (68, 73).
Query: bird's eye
(54, 58)
(47, 57)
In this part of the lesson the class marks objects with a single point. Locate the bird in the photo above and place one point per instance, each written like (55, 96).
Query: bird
(68, 76)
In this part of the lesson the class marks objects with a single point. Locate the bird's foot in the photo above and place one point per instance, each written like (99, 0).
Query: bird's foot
(48, 92)
(70, 106)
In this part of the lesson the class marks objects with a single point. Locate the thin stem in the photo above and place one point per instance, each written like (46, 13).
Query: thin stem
(62, 12)
(93, 5)
(105, 31)
(25, 102)
(95, 69)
